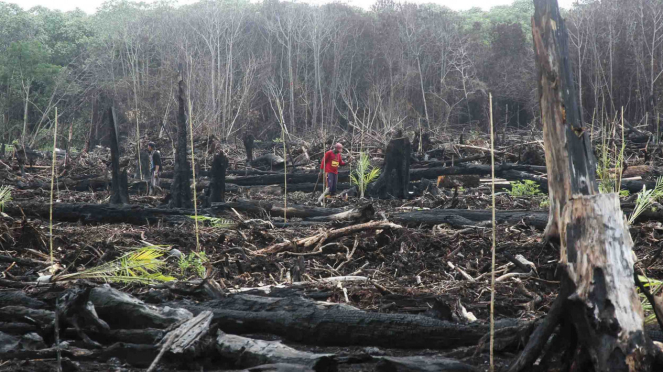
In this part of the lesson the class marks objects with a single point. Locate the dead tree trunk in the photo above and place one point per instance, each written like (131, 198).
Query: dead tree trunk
(119, 183)
(596, 247)
(217, 186)
(395, 176)
(248, 145)
(180, 189)
(569, 158)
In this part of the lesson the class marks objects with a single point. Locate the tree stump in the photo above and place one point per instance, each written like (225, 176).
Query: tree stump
(119, 182)
(217, 185)
(180, 189)
(394, 179)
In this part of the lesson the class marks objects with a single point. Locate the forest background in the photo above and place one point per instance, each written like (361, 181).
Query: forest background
(315, 68)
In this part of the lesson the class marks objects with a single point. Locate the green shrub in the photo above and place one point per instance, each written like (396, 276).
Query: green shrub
(194, 263)
(525, 188)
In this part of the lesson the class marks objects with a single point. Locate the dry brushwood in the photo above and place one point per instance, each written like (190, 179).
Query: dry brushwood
(320, 238)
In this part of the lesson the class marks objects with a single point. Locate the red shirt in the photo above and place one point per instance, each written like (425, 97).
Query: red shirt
(331, 162)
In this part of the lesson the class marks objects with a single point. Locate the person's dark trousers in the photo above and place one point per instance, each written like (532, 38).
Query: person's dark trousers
(332, 181)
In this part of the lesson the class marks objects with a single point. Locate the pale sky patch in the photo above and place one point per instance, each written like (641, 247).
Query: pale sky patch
(91, 6)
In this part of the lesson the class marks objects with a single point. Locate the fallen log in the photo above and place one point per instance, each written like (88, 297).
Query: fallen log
(135, 354)
(96, 184)
(140, 215)
(99, 213)
(279, 367)
(184, 337)
(363, 214)
(120, 310)
(422, 364)
(278, 179)
(502, 170)
(470, 217)
(310, 187)
(300, 320)
(245, 352)
(415, 174)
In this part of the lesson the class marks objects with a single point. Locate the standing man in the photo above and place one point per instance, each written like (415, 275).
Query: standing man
(330, 163)
(155, 167)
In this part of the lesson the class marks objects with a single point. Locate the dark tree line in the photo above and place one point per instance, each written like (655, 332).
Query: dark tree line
(313, 68)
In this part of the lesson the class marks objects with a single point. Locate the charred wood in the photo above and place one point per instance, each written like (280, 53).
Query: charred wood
(301, 320)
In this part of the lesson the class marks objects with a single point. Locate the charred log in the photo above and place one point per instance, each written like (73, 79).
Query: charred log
(460, 218)
(422, 364)
(246, 352)
(301, 320)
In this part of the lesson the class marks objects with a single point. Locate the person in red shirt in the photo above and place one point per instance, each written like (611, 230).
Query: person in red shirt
(330, 163)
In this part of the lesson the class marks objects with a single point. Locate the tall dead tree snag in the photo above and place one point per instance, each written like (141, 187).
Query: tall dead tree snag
(598, 306)
(569, 157)
(394, 178)
(119, 182)
(180, 189)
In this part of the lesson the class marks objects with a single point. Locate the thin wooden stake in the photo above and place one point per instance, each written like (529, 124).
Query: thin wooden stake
(193, 166)
(492, 270)
(285, 176)
(50, 224)
(620, 158)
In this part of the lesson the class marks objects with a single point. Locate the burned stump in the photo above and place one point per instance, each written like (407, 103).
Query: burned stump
(394, 179)
(217, 186)
(248, 140)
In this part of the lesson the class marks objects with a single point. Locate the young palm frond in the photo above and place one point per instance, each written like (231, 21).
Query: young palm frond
(5, 196)
(654, 287)
(645, 199)
(221, 223)
(364, 173)
(140, 266)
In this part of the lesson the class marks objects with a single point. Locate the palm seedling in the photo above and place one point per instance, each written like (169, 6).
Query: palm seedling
(645, 199)
(141, 266)
(5, 196)
(364, 173)
(654, 287)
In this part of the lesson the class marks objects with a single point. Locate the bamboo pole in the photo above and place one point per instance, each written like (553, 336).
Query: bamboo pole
(285, 176)
(492, 271)
(193, 166)
(50, 224)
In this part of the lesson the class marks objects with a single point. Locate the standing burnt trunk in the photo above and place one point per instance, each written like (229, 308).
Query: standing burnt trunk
(422, 138)
(598, 298)
(394, 179)
(180, 189)
(569, 158)
(217, 185)
(119, 184)
(248, 145)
